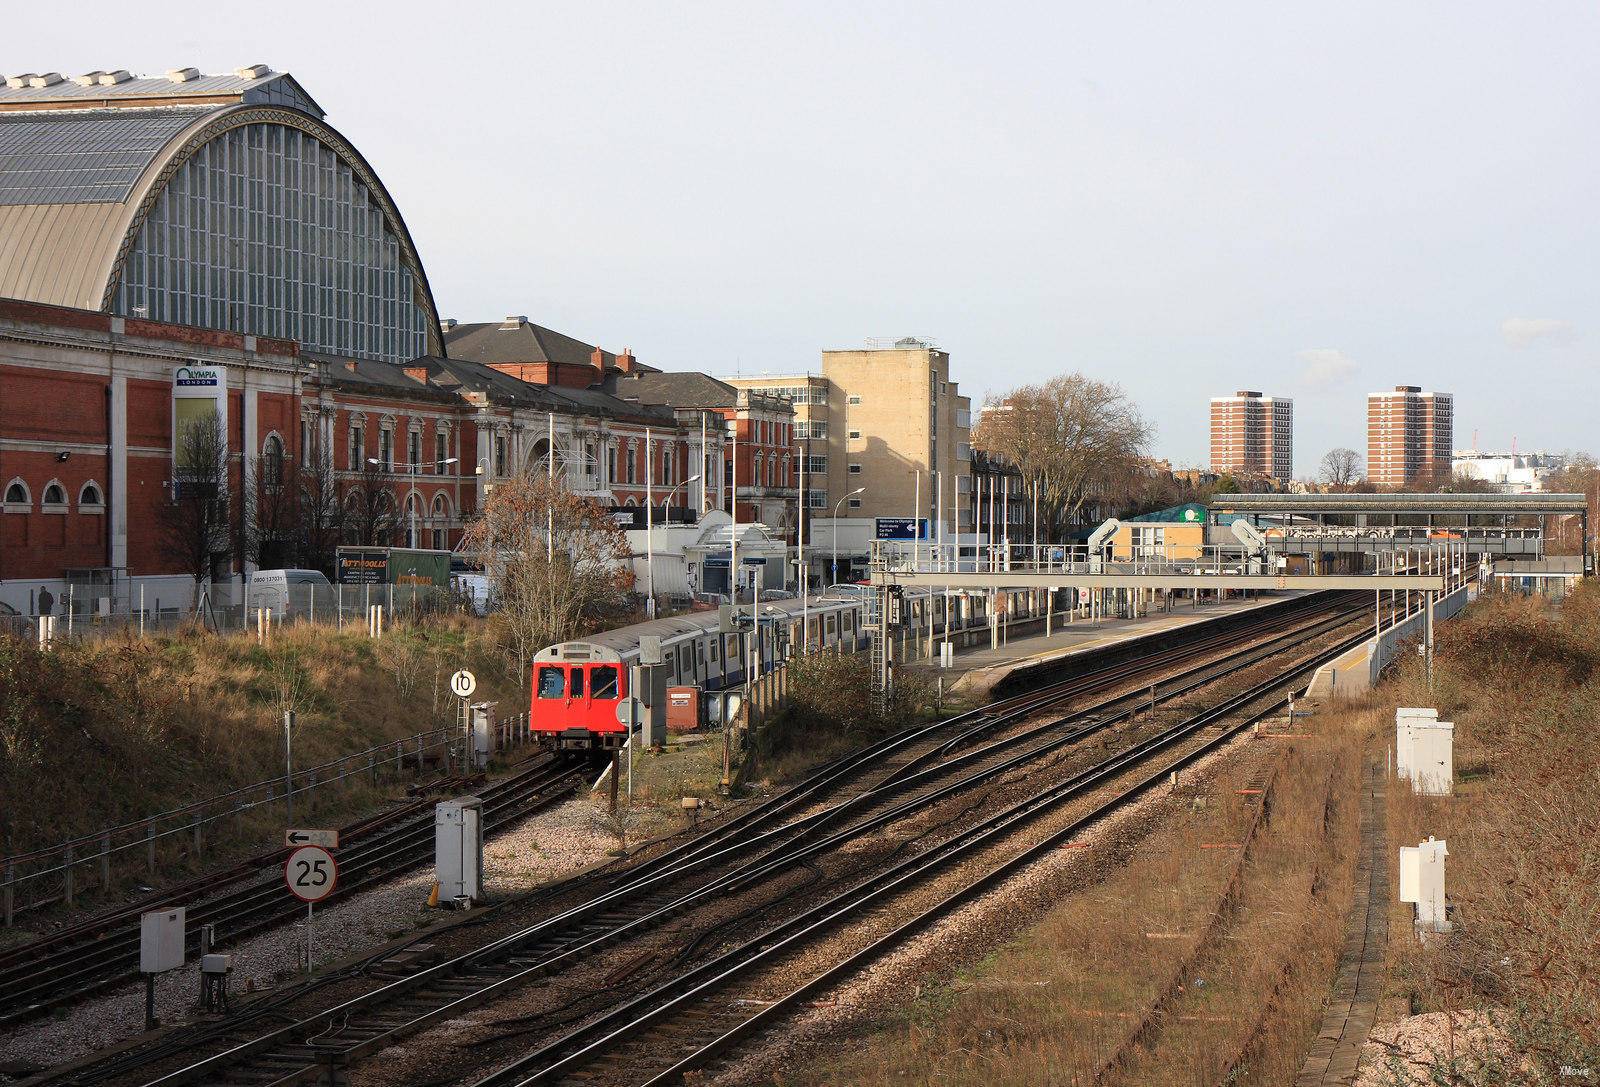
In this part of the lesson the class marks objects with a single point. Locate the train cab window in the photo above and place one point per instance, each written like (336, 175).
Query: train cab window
(603, 681)
(552, 681)
(577, 683)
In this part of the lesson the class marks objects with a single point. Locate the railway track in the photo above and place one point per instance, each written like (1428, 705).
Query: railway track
(729, 856)
(104, 953)
(689, 1021)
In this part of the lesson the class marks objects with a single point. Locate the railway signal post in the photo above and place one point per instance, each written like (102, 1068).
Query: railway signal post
(463, 683)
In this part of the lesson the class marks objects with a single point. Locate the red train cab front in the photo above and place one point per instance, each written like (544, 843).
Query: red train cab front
(576, 688)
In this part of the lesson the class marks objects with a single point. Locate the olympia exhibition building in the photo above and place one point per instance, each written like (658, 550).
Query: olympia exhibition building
(222, 201)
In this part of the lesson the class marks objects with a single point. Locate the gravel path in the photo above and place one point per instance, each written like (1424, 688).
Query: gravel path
(541, 848)
(1408, 1051)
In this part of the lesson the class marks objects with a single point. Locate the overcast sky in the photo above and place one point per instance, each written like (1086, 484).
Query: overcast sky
(1313, 201)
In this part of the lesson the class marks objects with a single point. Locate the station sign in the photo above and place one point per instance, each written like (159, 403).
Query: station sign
(901, 528)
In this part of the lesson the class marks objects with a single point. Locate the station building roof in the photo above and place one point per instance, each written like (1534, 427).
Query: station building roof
(1405, 503)
(1188, 513)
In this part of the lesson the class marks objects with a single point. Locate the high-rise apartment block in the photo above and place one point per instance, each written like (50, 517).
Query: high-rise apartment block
(1252, 435)
(1409, 436)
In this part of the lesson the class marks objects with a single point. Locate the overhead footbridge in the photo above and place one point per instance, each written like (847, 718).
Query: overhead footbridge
(1512, 526)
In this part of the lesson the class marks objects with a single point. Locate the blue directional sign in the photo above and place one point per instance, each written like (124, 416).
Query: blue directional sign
(902, 528)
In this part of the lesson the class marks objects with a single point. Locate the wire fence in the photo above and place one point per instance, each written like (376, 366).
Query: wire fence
(94, 863)
(234, 609)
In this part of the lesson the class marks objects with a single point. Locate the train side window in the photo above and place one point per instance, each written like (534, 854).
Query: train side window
(716, 650)
(552, 681)
(577, 683)
(603, 681)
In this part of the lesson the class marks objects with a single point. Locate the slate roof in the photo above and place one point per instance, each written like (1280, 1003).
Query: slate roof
(449, 379)
(681, 390)
(491, 342)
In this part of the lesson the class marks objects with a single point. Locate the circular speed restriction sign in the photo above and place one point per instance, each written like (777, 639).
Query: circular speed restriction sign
(311, 873)
(463, 683)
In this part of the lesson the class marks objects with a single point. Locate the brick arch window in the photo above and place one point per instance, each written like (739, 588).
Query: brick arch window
(272, 461)
(90, 497)
(18, 497)
(54, 494)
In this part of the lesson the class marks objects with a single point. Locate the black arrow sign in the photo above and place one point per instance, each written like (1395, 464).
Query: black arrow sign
(295, 837)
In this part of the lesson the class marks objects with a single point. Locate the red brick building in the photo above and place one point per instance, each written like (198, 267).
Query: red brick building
(87, 458)
(760, 427)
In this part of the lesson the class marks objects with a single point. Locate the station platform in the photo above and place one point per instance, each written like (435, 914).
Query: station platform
(979, 670)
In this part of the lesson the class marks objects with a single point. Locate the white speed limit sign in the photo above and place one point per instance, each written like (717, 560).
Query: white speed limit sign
(311, 873)
(463, 683)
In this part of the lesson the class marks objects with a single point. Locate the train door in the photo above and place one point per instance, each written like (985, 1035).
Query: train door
(550, 693)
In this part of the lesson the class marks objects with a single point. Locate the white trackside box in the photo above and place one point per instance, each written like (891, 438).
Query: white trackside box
(160, 941)
(1404, 719)
(1433, 757)
(483, 720)
(458, 848)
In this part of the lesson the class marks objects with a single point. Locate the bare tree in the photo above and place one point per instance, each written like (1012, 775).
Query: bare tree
(370, 510)
(1340, 467)
(195, 521)
(555, 561)
(1081, 439)
(321, 496)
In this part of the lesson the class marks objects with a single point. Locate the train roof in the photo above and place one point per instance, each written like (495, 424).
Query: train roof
(626, 639)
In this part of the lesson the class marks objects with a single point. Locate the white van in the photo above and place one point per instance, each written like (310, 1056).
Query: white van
(289, 593)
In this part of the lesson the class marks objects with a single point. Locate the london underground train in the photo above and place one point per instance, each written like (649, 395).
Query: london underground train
(578, 685)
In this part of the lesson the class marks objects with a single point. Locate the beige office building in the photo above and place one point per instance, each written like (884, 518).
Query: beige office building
(887, 419)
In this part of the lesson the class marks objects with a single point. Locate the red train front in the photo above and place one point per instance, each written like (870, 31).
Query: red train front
(576, 688)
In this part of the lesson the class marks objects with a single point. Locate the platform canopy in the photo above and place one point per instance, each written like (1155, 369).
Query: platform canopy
(1493, 505)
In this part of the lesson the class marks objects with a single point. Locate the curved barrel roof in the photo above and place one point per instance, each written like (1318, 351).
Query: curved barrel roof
(83, 161)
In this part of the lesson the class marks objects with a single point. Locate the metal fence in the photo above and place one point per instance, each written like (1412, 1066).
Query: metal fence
(67, 871)
(234, 610)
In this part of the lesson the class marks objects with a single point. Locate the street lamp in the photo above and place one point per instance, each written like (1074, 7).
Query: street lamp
(411, 513)
(836, 505)
(650, 543)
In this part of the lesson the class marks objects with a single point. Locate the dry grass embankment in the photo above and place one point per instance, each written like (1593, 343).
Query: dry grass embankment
(1207, 947)
(98, 733)
(1513, 995)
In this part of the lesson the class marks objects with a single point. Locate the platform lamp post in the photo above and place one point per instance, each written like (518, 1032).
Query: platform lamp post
(650, 540)
(836, 505)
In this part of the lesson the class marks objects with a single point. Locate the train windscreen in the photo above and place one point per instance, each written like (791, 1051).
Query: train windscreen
(552, 681)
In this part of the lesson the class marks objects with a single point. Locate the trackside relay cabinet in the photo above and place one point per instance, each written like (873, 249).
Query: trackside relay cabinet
(458, 850)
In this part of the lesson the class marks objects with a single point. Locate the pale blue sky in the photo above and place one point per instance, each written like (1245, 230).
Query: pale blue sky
(1185, 198)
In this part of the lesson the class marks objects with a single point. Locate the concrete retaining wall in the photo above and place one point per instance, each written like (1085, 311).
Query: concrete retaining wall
(1355, 673)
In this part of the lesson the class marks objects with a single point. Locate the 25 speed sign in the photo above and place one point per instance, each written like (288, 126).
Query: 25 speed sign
(311, 873)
